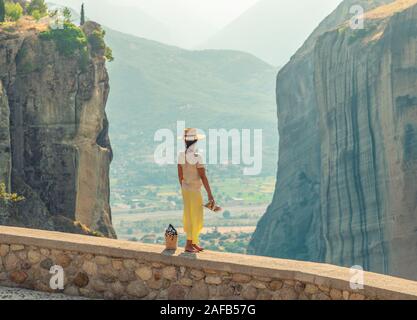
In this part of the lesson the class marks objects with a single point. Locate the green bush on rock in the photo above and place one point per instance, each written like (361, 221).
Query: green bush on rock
(97, 43)
(37, 9)
(68, 40)
(8, 198)
(13, 11)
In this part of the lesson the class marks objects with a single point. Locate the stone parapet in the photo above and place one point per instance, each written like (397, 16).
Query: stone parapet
(113, 269)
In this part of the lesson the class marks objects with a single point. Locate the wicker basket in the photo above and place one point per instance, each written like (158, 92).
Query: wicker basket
(171, 242)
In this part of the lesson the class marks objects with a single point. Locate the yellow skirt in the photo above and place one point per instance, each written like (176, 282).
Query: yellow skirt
(193, 214)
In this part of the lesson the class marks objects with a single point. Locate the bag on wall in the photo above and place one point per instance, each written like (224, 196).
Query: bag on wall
(171, 238)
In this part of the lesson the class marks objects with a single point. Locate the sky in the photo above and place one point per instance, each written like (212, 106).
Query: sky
(260, 27)
(184, 23)
(217, 13)
(272, 30)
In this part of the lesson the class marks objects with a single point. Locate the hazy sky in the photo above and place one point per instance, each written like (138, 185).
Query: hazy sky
(191, 23)
(187, 22)
(217, 13)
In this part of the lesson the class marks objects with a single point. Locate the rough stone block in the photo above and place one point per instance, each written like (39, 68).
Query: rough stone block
(213, 279)
(241, 278)
(137, 289)
(144, 273)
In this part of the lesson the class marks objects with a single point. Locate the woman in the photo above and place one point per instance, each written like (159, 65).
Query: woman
(192, 176)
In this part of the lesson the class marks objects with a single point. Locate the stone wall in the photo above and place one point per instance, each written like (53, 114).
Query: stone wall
(112, 269)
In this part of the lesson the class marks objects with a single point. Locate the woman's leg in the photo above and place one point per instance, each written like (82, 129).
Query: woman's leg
(196, 216)
(187, 220)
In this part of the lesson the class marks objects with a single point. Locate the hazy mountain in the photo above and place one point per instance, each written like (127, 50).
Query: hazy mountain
(272, 29)
(154, 85)
(184, 23)
(125, 18)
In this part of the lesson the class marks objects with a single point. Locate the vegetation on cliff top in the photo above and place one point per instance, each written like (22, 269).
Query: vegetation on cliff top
(68, 39)
(37, 9)
(82, 18)
(13, 11)
(8, 198)
(58, 27)
(97, 43)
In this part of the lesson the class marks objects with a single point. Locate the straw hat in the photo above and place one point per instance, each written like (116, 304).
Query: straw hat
(190, 134)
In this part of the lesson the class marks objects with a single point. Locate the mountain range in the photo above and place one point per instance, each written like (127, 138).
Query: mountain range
(129, 19)
(155, 85)
(272, 30)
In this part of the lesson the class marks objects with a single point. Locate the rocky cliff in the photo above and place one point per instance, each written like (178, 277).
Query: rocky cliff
(54, 147)
(347, 108)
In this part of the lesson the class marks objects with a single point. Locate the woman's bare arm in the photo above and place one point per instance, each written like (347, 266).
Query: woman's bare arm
(180, 174)
(206, 184)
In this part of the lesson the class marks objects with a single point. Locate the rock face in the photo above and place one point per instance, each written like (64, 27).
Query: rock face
(54, 147)
(347, 107)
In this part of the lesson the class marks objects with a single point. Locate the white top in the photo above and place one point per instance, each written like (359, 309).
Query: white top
(190, 164)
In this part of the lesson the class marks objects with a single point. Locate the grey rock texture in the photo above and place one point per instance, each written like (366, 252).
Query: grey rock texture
(54, 147)
(23, 294)
(5, 154)
(347, 108)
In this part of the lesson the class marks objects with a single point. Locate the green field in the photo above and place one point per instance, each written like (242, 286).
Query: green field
(221, 232)
(228, 192)
(152, 208)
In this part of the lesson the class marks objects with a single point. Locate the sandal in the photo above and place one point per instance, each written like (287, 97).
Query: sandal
(212, 206)
(198, 248)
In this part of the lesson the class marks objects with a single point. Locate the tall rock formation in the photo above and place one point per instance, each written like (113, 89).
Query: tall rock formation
(347, 108)
(54, 147)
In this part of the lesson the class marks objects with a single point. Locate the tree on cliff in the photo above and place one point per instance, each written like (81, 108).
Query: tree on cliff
(67, 15)
(82, 15)
(37, 8)
(13, 11)
(2, 11)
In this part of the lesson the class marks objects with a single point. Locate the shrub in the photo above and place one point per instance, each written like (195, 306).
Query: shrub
(37, 7)
(36, 15)
(87, 230)
(109, 54)
(97, 43)
(68, 40)
(67, 14)
(13, 11)
(96, 40)
(227, 214)
(8, 198)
